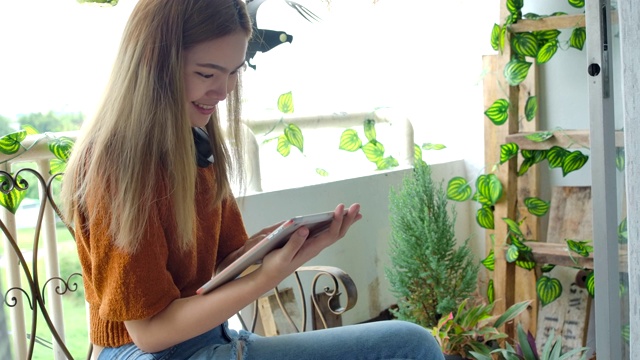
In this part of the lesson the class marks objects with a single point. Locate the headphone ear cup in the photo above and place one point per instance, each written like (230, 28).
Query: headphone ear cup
(204, 156)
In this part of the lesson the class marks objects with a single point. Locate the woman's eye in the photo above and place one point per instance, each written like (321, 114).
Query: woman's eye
(206, 76)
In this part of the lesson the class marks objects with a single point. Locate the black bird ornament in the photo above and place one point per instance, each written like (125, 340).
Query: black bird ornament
(264, 40)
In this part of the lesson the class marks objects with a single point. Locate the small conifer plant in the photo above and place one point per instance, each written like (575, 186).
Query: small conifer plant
(429, 273)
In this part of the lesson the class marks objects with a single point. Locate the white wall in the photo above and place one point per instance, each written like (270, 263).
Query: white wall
(363, 252)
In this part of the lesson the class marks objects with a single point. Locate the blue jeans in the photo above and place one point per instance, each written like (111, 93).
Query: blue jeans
(390, 340)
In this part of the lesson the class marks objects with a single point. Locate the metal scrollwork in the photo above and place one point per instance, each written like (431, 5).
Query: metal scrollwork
(65, 286)
(14, 300)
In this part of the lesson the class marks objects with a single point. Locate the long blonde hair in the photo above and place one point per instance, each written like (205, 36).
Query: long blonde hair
(141, 129)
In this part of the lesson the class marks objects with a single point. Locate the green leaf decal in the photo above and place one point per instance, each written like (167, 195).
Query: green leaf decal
(525, 260)
(484, 217)
(508, 151)
(547, 267)
(620, 158)
(525, 44)
(536, 206)
(577, 3)
(294, 135)
(519, 241)
(57, 166)
(417, 152)
(458, 189)
(516, 71)
(535, 155)
(489, 187)
(370, 129)
(10, 143)
(373, 150)
(513, 227)
(626, 333)
(573, 161)
(512, 254)
(495, 37)
(430, 146)
(61, 147)
(490, 261)
(503, 37)
(578, 38)
(623, 235)
(491, 292)
(556, 156)
(540, 136)
(30, 130)
(285, 103)
(591, 284)
(386, 163)
(322, 172)
(514, 6)
(532, 16)
(350, 141)
(548, 289)
(498, 112)
(10, 200)
(579, 247)
(524, 167)
(284, 146)
(547, 35)
(547, 51)
(531, 108)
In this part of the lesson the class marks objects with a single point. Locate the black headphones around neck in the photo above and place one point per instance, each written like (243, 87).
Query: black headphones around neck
(204, 155)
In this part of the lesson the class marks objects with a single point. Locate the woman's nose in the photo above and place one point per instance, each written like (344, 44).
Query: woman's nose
(219, 90)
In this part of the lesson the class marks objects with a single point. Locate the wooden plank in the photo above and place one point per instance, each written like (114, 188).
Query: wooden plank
(554, 22)
(528, 186)
(570, 214)
(272, 316)
(563, 138)
(558, 254)
(548, 23)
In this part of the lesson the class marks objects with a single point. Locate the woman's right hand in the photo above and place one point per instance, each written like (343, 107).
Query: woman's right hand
(282, 262)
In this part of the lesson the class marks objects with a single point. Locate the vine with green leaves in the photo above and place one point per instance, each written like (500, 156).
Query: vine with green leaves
(12, 145)
(541, 46)
(350, 140)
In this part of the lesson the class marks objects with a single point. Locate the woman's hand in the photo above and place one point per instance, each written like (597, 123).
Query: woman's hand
(280, 263)
(251, 242)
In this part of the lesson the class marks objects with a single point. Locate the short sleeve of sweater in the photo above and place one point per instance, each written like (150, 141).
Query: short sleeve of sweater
(136, 285)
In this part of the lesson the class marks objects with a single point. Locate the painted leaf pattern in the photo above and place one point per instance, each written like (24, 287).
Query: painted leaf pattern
(11, 199)
(10, 143)
(491, 293)
(536, 206)
(370, 129)
(417, 152)
(591, 284)
(284, 147)
(285, 103)
(489, 187)
(458, 189)
(620, 158)
(61, 147)
(294, 136)
(498, 112)
(508, 151)
(350, 141)
(540, 136)
(430, 146)
(577, 3)
(525, 260)
(547, 51)
(547, 267)
(578, 38)
(373, 150)
(490, 261)
(573, 161)
(548, 289)
(525, 44)
(516, 71)
(513, 227)
(556, 156)
(531, 108)
(623, 236)
(495, 37)
(579, 247)
(512, 253)
(484, 217)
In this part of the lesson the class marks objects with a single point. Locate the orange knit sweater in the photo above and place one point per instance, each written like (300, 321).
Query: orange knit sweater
(123, 286)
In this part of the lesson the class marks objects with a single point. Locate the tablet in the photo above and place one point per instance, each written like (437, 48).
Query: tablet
(276, 239)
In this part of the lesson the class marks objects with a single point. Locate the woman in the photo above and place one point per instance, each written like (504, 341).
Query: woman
(153, 210)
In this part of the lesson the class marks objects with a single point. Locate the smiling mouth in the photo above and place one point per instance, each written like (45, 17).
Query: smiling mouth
(203, 106)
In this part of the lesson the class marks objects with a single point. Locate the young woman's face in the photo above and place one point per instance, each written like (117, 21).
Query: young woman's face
(211, 72)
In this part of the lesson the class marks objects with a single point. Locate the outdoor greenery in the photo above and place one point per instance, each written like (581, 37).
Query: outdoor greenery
(429, 273)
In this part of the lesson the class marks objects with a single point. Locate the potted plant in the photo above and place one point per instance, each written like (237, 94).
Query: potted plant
(429, 273)
(525, 349)
(473, 330)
